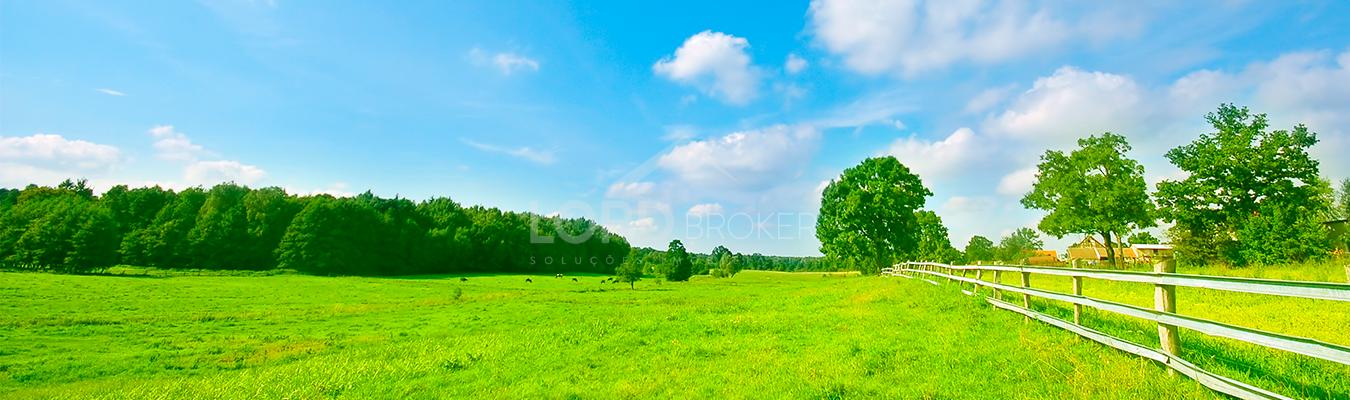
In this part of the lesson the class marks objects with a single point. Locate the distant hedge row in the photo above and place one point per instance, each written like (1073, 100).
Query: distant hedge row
(230, 226)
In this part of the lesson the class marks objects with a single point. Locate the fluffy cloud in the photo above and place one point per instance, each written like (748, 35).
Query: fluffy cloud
(212, 172)
(1073, 103)
(646, 224)
(173, 145)
(747, 160)
(716, 63)
(705, 209)
(794, 64)
(909, 37)
(1018, 182)
(629, 190)
(48, 159)
(542, 157)
(939, 158)
(110, 92)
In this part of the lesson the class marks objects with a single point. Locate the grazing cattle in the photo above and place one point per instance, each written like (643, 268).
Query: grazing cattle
(574, 279)
(463, 279)
(558, 276)
(528, 280)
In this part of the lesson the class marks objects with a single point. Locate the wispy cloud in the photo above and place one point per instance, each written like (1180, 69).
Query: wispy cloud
(542, 157)
(110, 92)
(506, 62)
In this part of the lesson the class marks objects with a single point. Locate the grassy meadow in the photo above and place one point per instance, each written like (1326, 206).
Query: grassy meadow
(757, 335)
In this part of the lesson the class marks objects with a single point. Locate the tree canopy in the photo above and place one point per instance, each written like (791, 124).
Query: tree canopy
(1244, 182)
(1095, 189)
(867, 215)
(679, 267)
(230, 226)
(980, 248)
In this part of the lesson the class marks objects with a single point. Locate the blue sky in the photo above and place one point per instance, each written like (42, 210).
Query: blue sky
(705, 121)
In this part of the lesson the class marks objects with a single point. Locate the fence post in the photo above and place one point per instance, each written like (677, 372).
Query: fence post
(1026, 298)
(1165, 300)
(998, 278)
(1077, 308)
(979, 277)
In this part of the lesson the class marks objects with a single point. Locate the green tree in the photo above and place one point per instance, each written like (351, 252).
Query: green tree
(267, 214)
(867, 215)
(1239, 171)
(678, 265)
(980, 248)
(219, 237)
(1095, 189)
(1143, 237)
(630, 271)
(1019, 245)
(934, 242)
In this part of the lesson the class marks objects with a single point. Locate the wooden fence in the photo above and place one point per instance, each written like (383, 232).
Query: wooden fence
(1165, 280)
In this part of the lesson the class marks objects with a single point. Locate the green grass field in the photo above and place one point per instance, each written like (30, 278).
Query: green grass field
(758, 335)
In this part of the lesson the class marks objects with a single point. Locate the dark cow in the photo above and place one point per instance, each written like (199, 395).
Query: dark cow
(463, 279)
(528, 280)
(574, 279)
(558, 276)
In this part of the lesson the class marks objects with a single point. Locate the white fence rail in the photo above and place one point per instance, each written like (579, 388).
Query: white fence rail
(1164, 313)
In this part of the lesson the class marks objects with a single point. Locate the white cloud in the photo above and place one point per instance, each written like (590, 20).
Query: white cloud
(212, 172)
(173, 145)
(941, 158)
(505, 62)
(630, 189)
(512, 62)
(910, 37)
(643, 224)
(110, 92)
(1018, 183)
(749, 160)
(965, 204)
(794, 64)
(542, 157)
(715, 63)
(1073, 103)
(705, 209)
(47, 159)
(55, 150)
(989, 98)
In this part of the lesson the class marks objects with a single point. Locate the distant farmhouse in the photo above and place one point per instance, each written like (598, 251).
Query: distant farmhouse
(1092, 250)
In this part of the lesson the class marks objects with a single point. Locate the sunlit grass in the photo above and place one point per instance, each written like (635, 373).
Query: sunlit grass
(759, 335)
(1283, 372)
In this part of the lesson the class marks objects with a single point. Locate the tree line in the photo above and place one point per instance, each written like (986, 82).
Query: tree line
(68, 228)
(1250, 195)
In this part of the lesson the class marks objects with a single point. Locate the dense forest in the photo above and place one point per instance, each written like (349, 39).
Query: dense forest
(67, 228)
(231, 227)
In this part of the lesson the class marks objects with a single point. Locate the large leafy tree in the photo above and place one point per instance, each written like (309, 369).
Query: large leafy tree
(1240, 171)
(867, 215)
(1095, 189)
(678, 265)
(980, 248)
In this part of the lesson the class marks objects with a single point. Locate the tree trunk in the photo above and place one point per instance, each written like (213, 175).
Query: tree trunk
(1110, 250)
